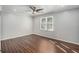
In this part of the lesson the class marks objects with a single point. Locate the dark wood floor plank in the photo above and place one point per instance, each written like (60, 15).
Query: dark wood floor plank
(37, 44)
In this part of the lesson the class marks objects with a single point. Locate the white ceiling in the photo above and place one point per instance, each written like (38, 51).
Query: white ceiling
(26, 9)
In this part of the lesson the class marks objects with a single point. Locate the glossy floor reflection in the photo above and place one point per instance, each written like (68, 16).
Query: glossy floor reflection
(36, 44)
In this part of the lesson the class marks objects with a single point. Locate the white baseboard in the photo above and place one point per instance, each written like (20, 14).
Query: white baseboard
(59, 39)
(40, 35)
(14, 36)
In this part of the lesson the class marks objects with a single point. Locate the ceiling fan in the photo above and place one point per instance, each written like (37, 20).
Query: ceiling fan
(35, 9)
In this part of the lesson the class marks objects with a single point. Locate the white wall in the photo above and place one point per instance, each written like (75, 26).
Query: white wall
(0, 27)
(65, 26)
(15, 25)
(0, 32)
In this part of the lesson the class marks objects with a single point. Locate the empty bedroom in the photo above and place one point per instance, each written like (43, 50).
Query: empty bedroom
(39, 28)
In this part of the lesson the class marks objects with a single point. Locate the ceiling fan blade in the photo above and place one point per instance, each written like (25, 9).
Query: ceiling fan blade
(33, 8)
(39, 10)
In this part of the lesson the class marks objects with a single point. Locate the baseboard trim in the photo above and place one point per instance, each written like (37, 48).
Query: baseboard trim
(43, 36)
(58, 39)
(15, 37)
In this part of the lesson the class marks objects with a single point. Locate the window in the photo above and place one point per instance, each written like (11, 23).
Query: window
(47, 23)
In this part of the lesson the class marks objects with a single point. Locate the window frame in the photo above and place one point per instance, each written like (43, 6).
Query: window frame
(46, 29)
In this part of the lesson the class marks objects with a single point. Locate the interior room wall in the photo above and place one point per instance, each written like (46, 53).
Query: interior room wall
(65, 26)
(16, 25)
(0, 27)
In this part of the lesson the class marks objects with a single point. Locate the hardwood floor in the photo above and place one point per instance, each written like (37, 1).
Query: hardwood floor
(37, 44)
